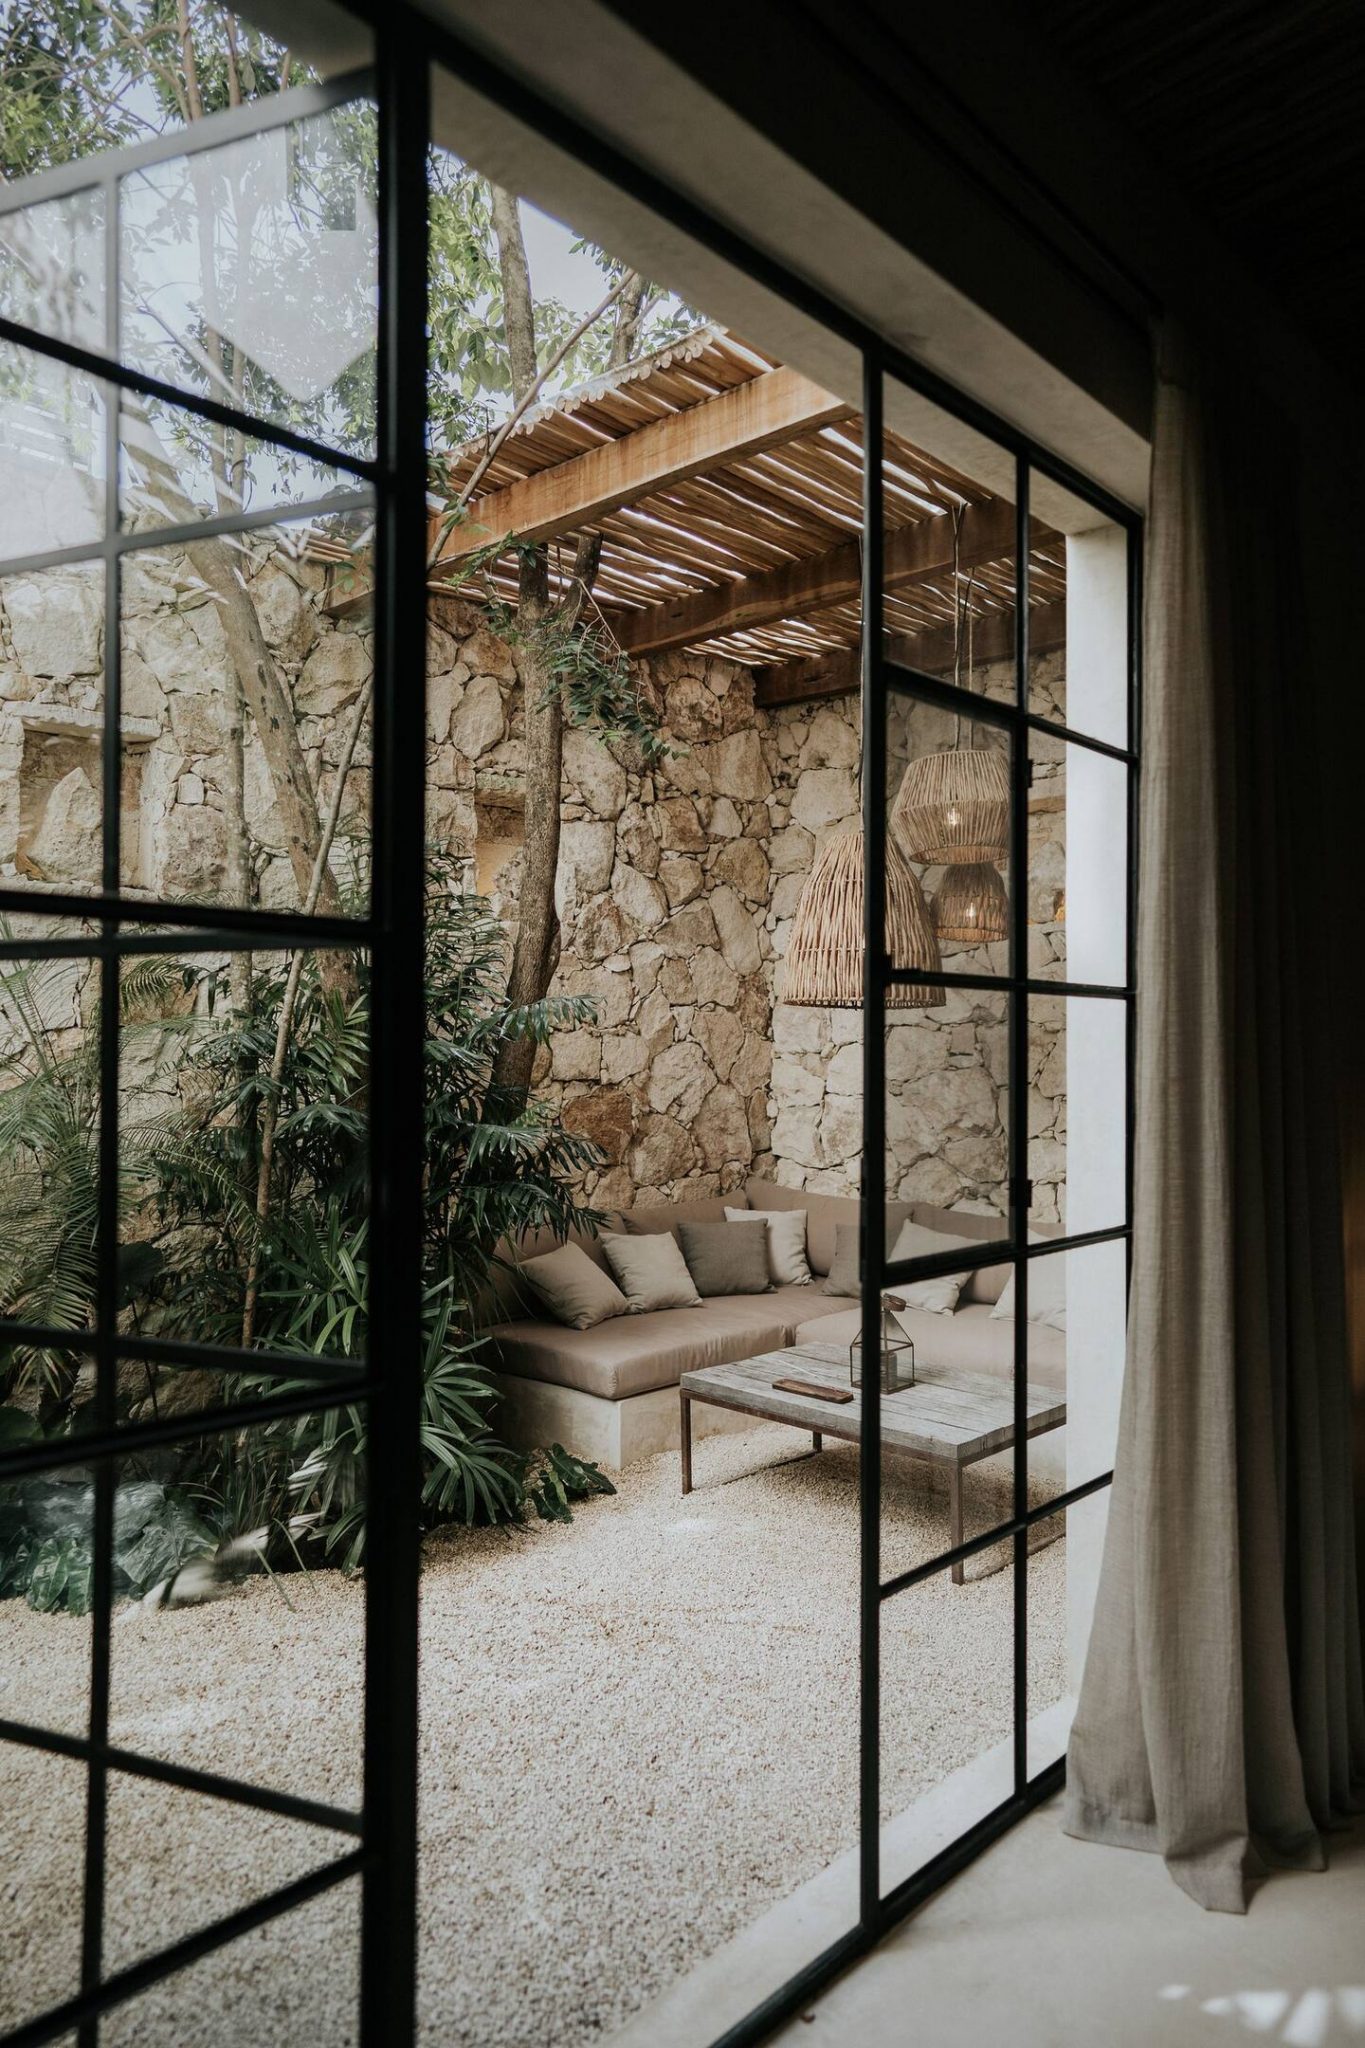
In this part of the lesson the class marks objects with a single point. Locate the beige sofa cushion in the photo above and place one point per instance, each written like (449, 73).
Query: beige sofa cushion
(823, 1215)
(637, 1354)
(972, 1340)
(649, 1222)
(573, 1287)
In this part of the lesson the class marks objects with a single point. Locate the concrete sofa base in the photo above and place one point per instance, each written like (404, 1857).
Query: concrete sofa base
(611, 1434)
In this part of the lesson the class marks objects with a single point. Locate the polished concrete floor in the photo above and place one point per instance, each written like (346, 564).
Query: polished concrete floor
(1050, 1943)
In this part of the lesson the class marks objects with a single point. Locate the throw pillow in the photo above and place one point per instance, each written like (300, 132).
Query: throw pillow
(788, 1265)
(843, 1272)
(727, 1258)
(573, 1287)
(1046, 1291)
(651, 1270)
(939, 1296)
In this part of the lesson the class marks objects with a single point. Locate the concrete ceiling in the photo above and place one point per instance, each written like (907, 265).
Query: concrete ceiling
(1255, 108)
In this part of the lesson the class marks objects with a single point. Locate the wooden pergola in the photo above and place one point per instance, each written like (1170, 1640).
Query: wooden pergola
(727, 491)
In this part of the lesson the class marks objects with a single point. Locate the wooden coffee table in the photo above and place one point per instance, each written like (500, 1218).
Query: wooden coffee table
(950, 1417)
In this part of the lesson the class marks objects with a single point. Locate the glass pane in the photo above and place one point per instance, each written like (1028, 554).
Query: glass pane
(49, 1183)
(51, 454)
(211, 1250)
(249, 274)
(51, 727)
(947, 1711)
(177, 467)
(297, 1978)
(949, 805)
(1058, 1627)
(947, 1103)
(239, 1620)
(46, 1588)
(1078, 1120)
(1078, 864)
(244, 698)
(1076, 1336)
(41, 1897)
(1078, 615)
(52, 267)
(199, 1858)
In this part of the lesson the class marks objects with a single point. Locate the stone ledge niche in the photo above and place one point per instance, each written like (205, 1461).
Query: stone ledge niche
(60, 778)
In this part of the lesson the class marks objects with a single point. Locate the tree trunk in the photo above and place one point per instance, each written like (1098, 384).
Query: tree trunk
(535, 950)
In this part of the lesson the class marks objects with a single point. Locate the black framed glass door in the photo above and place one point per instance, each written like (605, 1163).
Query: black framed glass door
(86, 323)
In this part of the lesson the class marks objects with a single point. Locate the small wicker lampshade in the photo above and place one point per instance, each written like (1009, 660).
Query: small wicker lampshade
(954, 808)
(826, 954)
(972, 903)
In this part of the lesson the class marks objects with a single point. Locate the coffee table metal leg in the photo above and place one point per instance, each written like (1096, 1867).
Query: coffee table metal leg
(817, 1441)
(685, 1438)
(955, 1520)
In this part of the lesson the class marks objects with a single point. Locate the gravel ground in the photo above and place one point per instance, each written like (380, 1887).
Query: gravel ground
(638, 1733)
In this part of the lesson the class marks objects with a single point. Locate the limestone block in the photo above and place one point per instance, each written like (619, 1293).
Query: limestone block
(796, 1134)
(636, 839)
(646, 958)
(451, 819)
(613, 1190)
(713, 980)
(675, 981)
(689, 928)
(678, 826)
(485, 655)
(287, 619)
(738, 931)
(721, 1035)
(55, 621)
(1046, 1160)
(444, 695)
(586, 852)
(442, 650)
(786, 895)
(624, 1055)
(479, 722)
(333, 675)
(607, 1116)
(824, 797)
(721, 1127)
(792, 1086)
(681, 879)
(601, 930)
(141, 693)
(833, 741)
(67, 845)
(199, 723)
(642, 902)
(743, 864)
(844, 1071)
(654, 1019)
(841, 1131)
(724, 821)
(575, 1055)
(189, 790)
(792, 852)
(736, 766)
(753, 1062)
(680, 1080)
(191, 850)
(662, 1150)
(594, 773)
(798, 1029)
(693, 711)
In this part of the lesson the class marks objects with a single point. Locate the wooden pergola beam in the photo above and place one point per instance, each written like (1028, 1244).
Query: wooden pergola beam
(778, 406)
(838, 673)
(913, 554)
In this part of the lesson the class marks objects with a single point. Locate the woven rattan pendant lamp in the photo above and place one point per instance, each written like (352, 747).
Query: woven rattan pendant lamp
(953, 809)
(826, 955)
(972, 904)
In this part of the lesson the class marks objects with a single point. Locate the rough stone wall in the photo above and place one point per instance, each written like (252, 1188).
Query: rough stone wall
(677, 884)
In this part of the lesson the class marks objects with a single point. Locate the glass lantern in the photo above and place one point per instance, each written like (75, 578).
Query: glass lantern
(896, 1363)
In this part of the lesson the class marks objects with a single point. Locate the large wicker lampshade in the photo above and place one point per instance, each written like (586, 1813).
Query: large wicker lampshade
(954, 809)
(826, 955)
(972, 904)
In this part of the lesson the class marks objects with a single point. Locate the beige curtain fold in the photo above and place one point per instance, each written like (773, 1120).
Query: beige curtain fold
(1221, 1720)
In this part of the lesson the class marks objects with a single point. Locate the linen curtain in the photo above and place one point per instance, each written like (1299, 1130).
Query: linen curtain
(1221, 1719)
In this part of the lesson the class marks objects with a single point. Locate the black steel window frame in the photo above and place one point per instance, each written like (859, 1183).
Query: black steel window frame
(109, 926)
(407, 44)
